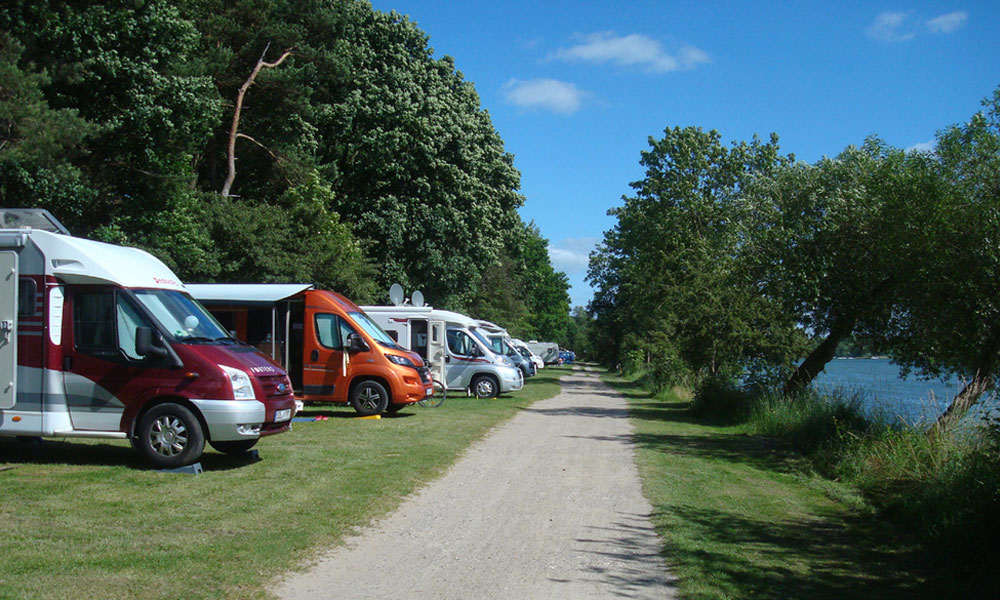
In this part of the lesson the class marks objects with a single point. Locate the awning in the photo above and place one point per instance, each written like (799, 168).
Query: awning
(246, 294)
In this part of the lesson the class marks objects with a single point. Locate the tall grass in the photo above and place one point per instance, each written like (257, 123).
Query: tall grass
(942, 490)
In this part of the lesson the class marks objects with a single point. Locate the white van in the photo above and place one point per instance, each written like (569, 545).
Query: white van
(526, 352)
(452, 346)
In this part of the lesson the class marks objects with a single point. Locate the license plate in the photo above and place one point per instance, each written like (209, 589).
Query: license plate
(282, 415)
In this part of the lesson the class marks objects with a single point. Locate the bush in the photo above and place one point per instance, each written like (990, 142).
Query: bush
(720, 401)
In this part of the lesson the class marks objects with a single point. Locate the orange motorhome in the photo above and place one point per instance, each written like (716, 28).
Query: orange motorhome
(332, 351)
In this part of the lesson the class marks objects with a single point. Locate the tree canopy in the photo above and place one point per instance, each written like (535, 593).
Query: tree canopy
(360, 159)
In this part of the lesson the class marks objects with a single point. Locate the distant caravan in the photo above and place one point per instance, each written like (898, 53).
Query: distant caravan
(333, 351)
(549, 351)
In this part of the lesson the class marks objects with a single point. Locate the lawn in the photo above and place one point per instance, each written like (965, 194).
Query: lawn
(90, 519)
(742, 516)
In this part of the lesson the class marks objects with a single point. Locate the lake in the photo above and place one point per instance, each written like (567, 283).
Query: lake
(876, 381)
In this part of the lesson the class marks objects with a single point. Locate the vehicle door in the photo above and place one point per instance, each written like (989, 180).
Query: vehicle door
(464, 357)
(101, 368)
(325, 359)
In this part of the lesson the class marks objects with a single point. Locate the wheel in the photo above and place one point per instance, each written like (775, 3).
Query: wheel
(485, 386)
(437, 398)
(170, 436)
(235, 446)
(369, 398)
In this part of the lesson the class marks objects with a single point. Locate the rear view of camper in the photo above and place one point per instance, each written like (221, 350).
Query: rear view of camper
(103, 341)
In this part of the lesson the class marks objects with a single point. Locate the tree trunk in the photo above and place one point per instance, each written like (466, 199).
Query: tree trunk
(981, 383)
(817, 359)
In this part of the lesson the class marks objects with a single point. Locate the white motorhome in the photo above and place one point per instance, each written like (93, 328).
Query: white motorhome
(103, 341)
(549, 351)
(500, 342)
(526, 352)
(452, 346)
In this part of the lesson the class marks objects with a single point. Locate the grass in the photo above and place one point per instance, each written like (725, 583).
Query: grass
(743, 515)
(92, 520)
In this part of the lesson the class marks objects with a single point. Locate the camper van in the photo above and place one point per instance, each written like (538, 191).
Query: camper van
(103, 341)
(526, 352)
(451, 344)
(548, 351)
(500, 342)
(331, 349)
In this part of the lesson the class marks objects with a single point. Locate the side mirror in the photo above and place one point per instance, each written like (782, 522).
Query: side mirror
(145, 345)
(355, 344)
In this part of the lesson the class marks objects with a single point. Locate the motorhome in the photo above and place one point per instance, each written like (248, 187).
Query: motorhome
(549, 351)
(526, 352)
(104, 341)
(451, 344)
(331, 349)
(500, 342)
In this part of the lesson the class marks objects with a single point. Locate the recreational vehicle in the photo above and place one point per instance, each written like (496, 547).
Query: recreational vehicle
(451, 344)
(548, 351)
(331, 349)
(500, 343)
(103, 341)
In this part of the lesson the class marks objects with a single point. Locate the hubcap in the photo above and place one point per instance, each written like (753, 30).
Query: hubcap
(369, 398)
(168, 436)
(485, 387)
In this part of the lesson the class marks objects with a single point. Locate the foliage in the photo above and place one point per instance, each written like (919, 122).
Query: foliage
(360, 149)
(668, 275)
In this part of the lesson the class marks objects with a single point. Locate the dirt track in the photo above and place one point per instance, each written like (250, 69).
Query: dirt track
(547, 506)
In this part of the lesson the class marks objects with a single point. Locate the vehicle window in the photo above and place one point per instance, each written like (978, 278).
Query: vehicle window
(104, 324)
(181, 315)
(26, 291)
(373, 330)
(328, 332)
(345, 330)
(128, 319)
(94, 321)
(460, 343)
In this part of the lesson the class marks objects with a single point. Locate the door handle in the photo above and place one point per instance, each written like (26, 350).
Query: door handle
(447, 358)
(314, 355)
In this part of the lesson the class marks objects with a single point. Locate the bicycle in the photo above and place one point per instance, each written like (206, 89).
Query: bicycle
(437, 398)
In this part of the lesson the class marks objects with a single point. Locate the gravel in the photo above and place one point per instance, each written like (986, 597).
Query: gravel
(548, 505)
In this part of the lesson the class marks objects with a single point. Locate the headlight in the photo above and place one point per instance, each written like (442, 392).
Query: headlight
(506, 361)
(240, 382)
(401, 360)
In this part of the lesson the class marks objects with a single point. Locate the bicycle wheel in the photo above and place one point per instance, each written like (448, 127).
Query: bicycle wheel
(437, 398)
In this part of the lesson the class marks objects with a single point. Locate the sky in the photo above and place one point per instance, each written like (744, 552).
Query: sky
(576, 89)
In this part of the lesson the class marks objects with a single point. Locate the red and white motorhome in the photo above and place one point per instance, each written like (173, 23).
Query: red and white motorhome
(104, 341)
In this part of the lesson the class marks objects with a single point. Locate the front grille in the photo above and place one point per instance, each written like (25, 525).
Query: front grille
(273, 384)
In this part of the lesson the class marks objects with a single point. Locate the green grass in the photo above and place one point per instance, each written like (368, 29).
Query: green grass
(743, 516)
(92, 520)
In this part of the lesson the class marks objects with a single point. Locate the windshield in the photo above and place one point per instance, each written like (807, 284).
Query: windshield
(496, 343)
(480, 337)
(372, 329)
(181, 315)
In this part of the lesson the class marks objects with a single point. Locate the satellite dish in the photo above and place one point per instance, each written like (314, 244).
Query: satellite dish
(418, 298)
(396, 294)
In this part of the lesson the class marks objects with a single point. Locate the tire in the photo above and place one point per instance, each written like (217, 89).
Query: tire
(235, 446)
(170, 436)
(485, 386)
(369, 398)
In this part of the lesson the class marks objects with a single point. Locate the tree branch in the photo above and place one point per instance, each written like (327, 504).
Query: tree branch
(234, 130)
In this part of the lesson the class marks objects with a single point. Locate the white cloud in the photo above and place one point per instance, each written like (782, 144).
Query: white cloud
(948, 23)
(572, 255)
(546, 94)
(891, 27)
(923, 147)
(632, 50)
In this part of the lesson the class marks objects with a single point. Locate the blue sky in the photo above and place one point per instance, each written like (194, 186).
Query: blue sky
(576, 89)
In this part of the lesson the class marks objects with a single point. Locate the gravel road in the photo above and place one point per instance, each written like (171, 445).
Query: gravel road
(547, 506)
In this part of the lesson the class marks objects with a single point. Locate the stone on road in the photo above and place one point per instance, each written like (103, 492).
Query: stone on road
(548, 505)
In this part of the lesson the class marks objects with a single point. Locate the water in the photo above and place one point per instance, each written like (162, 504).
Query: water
(876, 381)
